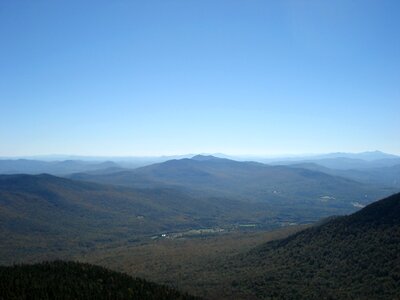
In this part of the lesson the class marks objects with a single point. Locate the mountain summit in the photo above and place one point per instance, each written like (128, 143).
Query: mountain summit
(201, 157)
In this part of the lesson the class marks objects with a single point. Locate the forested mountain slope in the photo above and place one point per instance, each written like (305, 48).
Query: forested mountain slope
(44, 213)
(70, 280)
(351, 257)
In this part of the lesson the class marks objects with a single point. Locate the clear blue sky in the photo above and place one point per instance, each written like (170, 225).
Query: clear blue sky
(172, 77)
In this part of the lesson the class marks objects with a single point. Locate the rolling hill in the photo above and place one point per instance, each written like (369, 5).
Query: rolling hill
(248, 181)
(383, 176)
(46, 215)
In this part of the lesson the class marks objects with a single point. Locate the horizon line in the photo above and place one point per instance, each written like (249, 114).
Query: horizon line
(259, 155)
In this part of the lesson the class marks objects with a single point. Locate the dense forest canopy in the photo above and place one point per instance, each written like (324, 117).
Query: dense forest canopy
(72, 280)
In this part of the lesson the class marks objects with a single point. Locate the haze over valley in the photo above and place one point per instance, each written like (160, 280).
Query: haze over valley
(171, 149)
(108, 210)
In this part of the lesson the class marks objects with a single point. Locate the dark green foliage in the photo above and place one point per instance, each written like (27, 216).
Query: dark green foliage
(354, 257)
(72, 280)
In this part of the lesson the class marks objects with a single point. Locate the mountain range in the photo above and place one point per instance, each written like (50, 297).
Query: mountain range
(45, 217)
(372, 168)
(67, 164)
(29, 166)
(246, 181)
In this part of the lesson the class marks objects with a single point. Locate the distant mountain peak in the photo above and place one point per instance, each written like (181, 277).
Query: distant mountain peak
(201, 157)
(366, 155)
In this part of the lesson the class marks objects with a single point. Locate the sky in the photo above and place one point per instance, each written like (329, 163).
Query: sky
(129, 78)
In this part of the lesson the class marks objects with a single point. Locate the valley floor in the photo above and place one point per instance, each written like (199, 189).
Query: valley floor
(186, 263)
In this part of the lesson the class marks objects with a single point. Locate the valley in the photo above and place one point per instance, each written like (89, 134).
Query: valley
(200, 150)
(339, 258)
(186, 263)
(45, 215)
(204, 225)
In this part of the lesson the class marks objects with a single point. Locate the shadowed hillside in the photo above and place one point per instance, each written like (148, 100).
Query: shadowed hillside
(353, 257)
(70, 280)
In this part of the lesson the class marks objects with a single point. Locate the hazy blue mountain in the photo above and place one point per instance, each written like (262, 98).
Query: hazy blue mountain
(124, 161)
(53, 164)
(249, 181)
(368, 155)
(383, 176)
(344, 163)
(201, 157)
(339, 160)
(26, 166)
